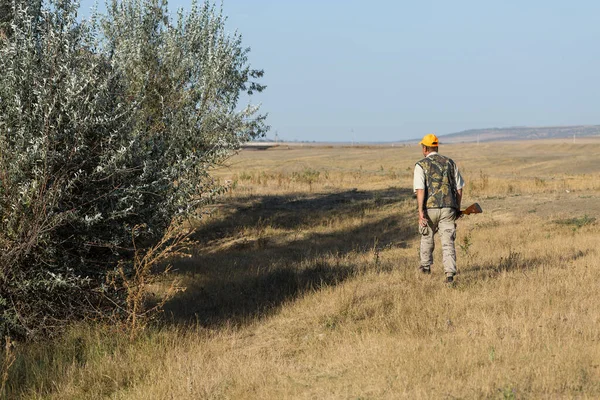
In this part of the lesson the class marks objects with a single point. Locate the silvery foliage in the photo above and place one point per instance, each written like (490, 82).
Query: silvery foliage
(106, 125)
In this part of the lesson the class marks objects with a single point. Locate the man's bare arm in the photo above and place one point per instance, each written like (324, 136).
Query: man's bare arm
(421, 204)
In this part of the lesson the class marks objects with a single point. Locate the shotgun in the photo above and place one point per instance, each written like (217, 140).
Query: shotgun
(474, 208)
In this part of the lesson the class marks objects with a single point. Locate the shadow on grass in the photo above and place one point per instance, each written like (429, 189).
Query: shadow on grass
(296, 211)
(234, 284)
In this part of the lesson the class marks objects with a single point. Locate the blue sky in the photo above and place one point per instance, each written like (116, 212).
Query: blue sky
(395, 70)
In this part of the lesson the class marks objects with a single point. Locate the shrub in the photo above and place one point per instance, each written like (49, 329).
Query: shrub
(576, 222)
(105, 126)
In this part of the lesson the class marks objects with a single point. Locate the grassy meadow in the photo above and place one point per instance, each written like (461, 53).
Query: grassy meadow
(304, 285)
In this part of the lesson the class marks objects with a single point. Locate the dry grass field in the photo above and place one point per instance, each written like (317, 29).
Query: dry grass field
(304, 285)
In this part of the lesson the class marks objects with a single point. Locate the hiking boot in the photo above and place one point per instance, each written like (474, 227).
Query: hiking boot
(425, 269)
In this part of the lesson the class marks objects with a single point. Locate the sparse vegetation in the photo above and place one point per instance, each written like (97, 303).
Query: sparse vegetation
(576, 222)
(293, 293)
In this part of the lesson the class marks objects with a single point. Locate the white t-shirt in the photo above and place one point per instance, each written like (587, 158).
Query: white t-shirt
(419, 177)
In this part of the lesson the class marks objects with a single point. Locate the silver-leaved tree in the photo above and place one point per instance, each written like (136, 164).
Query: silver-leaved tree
(106, 125)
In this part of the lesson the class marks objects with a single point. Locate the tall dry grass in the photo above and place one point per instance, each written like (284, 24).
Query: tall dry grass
(304, 285)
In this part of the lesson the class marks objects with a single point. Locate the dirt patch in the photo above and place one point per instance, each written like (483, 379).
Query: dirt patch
(567, 205)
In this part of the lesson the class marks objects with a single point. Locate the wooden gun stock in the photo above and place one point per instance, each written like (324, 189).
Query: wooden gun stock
(474, 208)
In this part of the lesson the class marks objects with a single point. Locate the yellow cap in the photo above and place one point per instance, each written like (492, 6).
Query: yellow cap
(430, 140)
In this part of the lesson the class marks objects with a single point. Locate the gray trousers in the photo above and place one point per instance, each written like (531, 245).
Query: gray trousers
(440, 220)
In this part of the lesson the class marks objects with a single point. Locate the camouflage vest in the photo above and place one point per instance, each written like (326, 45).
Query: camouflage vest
(440, 183)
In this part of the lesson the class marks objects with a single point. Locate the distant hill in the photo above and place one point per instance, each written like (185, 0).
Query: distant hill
(521, 133)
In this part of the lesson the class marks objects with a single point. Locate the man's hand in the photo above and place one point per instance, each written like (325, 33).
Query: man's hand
(422, 218)
(457, 213)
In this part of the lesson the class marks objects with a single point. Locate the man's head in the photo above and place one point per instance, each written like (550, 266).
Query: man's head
(429, 143)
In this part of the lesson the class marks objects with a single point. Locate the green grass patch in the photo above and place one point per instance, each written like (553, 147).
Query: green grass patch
(576, 222)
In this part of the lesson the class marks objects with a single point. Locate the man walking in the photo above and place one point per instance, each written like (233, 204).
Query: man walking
(438, 185)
